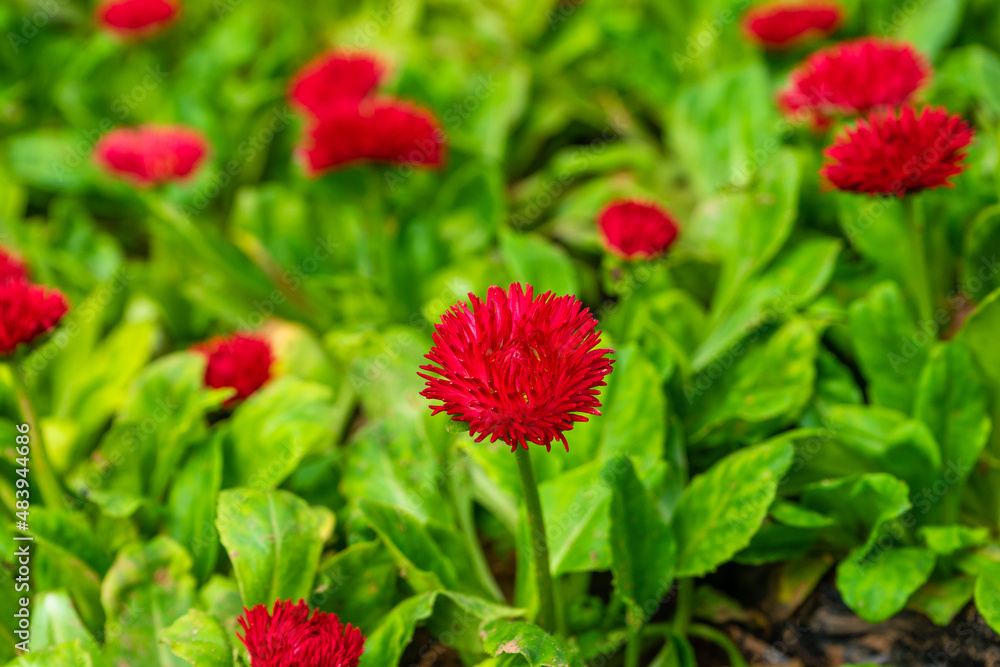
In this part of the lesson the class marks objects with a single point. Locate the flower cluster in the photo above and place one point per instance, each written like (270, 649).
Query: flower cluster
(291, 637)
(151, 154)
(349, 124)
(28, 310)
(241, 362)
(783, 24)
(517, 367)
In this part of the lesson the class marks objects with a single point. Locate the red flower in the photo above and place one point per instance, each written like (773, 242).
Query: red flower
(136, 18)
(238, 361)
(26, 312)
(377, 130)
(11, 267)
(780, 25)
(288, 637)
(636, 230)
(854, 77)
(517, 368)
(898, 154)
(335, 77)
(151, 154)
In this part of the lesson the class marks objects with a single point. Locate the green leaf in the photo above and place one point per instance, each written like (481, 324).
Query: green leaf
(891, 349)
(876, 584)
(940, 601)
(643, 549)
(359, 583)
(55, 621)
(931, 25)
(529, 641)
(944, 540)
(987, 596)
(72, 653)
(274, 540)
(385, 645)
(979, 270)
(722, 508)
(539, 263)
(575, 505)
(192, 505)
(860, 505)
(275, 428)
(198, 638)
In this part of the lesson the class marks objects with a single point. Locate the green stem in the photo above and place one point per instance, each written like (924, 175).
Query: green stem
(685, 605)
(722, 640)
(915, 226)
(463, 508)
(539, 544)
(633, 649)
(48, 483)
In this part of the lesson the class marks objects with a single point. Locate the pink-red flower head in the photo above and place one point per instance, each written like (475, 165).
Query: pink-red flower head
(896, 154)
(783, 24)
(635, 229)
(239, 361)
(11, 267)
(151, 154)
(335, 77)
(136, 18)
(376, 130)
(852, 78)
(289, 637)
(517, 368)
(26, 312)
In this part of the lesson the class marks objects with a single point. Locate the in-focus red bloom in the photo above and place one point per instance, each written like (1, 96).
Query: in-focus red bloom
(783, 24)
(517, 367)
(11, 267)
(239, 361)
(151, 154)
(26, 312)
(136, 18)
(852, 78)
(636, 230)
(289, 637)
(377, 130)
(896, 154)
(333, 78)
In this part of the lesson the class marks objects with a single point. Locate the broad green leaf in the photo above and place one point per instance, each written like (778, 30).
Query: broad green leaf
(860, 505)
(987, 597)
(55, 621)
(891, 348)
(979, 335)
(980, 272)
(576, 505)
(643, 549)
(418, 556)
(384, 645)
(198, 638)
(359, 583)
(71, 534)
(192, 504)
(274, 540)
(148, 587)
(722, 508)
(275, 428)
(877, 583)
(940, 601)
(944, 540)
(931, 25)
(535, 645)
(538, 262)
(72, 653)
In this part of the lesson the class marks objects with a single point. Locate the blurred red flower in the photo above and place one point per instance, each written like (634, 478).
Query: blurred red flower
(151, 154)
(136, 18)
(518, 367)
(854, 77)
(780, 25)
(239, 361)
(288, 637)
(897, 154)
(335, 77)
(11, 267)
(26, 312)
(635, 229)
(378, 130)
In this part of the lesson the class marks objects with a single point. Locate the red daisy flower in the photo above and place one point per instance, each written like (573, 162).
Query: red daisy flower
(151, 154)
(517, 368)
(289, 637)
(896, 154)
(11, 267)
(335, 77)
(136, 18)
(780, 25)
(634, 229)
(852, 78)
(378, 130)
(26, 312)
(239, 361)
